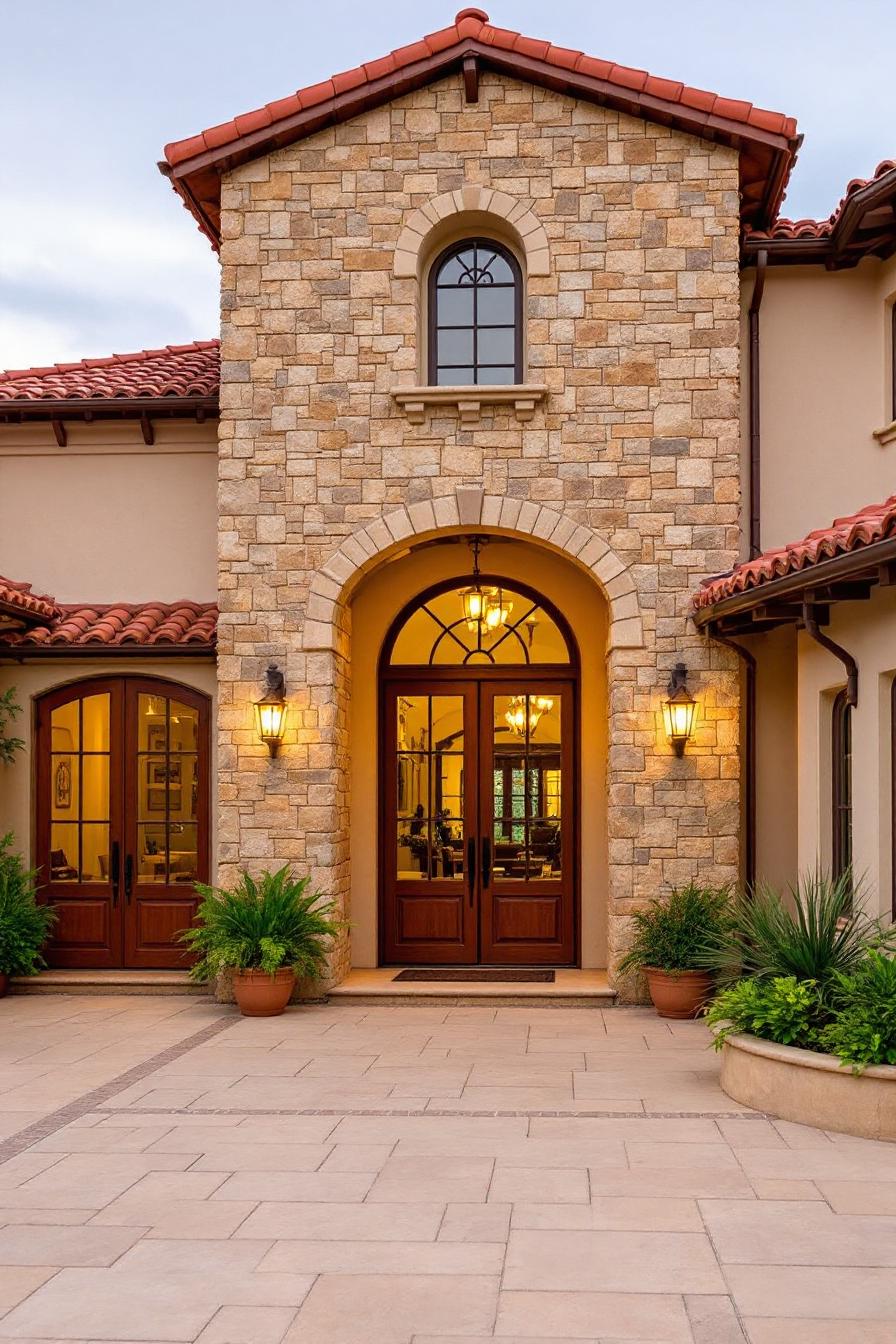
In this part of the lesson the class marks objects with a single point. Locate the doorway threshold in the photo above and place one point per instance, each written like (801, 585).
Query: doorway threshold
(571, 988)
(106, 982)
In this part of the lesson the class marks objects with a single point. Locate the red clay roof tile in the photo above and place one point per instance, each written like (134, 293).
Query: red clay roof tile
(122, 625)
(174, 371)
(470, 26)
(875, 522)
(18, 600)
(823, 228)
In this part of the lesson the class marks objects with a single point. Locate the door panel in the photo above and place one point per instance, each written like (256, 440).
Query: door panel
(527, 781)
(122, 819)
(429, 819)
(166, 819)
(478, 821)
(78, 816)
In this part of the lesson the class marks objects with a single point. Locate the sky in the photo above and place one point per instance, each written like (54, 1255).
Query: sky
(97, 255)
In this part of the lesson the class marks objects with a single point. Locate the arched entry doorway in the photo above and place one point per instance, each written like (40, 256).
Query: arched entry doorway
(122, 818)
(478, 818)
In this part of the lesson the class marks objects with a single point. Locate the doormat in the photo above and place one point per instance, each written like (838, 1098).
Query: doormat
(488, 975)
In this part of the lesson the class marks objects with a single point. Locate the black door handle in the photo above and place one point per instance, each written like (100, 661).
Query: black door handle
(486, 860)
(115, 870)
(471, 867)
(128, 877)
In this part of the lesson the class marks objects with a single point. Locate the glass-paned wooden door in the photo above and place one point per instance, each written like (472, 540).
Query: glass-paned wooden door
(430, 800)
(166, 818)
(527, 821)
(122, 819)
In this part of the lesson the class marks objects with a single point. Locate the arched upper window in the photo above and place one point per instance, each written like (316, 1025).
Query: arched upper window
(475, 315)
(503, 625)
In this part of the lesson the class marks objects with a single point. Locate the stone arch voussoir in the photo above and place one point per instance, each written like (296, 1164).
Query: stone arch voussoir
(326, 622)
(524, 223)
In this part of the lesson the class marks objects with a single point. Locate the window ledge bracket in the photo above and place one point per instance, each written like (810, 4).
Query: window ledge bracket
(468, 401)
(886, 435)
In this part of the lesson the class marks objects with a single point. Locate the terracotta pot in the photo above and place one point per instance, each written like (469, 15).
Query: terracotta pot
(261, 995)
(679, 993)
(4, 983)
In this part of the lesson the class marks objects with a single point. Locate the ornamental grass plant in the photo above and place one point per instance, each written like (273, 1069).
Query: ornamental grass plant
(24, 924)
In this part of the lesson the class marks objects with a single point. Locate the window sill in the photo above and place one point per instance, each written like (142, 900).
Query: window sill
(886, 435)
(468, 401)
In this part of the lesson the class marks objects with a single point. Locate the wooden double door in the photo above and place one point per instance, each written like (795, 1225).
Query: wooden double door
(478, 834)
(122, 804)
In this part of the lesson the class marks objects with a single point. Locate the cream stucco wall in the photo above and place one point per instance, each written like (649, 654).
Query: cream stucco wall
(777, 756)
(33, 679)
(826, 384)
(108, 518)
(375, 605)
(868, 631)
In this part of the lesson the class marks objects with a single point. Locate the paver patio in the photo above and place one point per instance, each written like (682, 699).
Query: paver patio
(442, 1175)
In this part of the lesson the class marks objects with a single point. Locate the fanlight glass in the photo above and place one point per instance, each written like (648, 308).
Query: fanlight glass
(484, 623)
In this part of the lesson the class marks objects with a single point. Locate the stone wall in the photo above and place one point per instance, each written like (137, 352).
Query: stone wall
(633, 327)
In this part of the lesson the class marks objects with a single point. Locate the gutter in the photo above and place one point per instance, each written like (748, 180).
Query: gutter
(754, 392)
(810, 625)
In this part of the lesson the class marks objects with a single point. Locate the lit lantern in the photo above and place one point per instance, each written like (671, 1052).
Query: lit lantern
(271, 710)
(679, 710)
(497, 611)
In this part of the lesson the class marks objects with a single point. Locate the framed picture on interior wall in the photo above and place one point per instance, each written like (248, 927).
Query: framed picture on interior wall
(159, 773)
(156, 737)
(155, 800)
(62, 784)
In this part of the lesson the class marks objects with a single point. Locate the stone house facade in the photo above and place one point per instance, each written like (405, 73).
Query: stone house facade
(609, 475)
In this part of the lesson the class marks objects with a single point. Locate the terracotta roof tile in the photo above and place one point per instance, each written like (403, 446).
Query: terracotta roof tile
(470, 26)
(122, 625)
(17, 599)
(174, 371)
(876, 522)
(823, 228)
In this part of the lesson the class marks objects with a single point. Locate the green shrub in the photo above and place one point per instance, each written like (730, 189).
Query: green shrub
(262, 925)
(811, 935)
(671, 933)
(863, 1029)
(783, 1009)
(24, 925)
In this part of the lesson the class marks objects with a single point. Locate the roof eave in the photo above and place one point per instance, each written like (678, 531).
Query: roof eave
(16, 409)
(342, 106)
(869, 561)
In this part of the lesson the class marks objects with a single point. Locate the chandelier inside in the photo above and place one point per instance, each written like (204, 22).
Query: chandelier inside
(517, 713)
(486, 609)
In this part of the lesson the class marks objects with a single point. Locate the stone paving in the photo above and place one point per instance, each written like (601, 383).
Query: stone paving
(417, 1175)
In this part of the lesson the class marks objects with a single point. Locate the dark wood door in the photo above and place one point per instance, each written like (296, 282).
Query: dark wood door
(122, 819)
(478, 820)
(430, 822)
(527, 814)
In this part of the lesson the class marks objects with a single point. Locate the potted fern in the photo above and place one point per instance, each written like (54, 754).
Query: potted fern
(267, 932)
(24, 925)
(669, 946)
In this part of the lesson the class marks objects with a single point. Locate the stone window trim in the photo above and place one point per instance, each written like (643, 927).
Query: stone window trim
(886, 434)
(469, 400)
(414, 244)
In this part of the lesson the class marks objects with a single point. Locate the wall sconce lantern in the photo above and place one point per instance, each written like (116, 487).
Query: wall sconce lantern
(271, 710)
(680, 710)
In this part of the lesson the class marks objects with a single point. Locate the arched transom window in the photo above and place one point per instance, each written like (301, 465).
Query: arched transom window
(502, 626)
(475, 315)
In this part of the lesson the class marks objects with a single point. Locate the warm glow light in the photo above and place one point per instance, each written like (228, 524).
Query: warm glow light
(516, 714)
(679, 711)
(271, 711)
(476, 605)
(497, 611)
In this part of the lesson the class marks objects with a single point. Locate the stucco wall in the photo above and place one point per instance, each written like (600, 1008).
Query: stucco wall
(33, 679)
(108, 518)
(826, 384)
(778, 763)
(868, 631)
(633, 326)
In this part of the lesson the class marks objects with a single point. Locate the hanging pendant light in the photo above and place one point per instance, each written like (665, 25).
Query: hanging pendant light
(477, 600)
(516, 716)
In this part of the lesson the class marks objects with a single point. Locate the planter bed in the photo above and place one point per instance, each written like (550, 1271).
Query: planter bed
(810, 1088)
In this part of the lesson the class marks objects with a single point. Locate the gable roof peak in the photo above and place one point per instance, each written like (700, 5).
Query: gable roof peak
(766, 141)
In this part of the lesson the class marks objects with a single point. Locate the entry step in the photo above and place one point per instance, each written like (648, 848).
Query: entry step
(106, 982)
(569, 989)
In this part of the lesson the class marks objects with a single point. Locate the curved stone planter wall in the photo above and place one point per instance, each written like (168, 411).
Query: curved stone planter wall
(810, 1088)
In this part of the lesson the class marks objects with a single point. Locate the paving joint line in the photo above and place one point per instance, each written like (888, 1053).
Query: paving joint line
(401, 1112)
(93, 1100)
